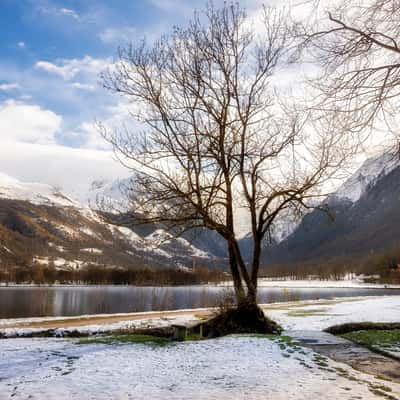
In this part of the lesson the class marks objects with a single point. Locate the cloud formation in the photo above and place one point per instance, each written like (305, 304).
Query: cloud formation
(28, 123)
(5, 87)
(29, 150)
(70, 13)
(118, 35)
(70, 68)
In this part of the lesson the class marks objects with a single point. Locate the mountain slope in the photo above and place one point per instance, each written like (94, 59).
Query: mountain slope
(364, 218)
(39, 224)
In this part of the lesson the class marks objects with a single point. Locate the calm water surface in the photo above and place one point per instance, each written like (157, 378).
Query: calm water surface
(16, 302)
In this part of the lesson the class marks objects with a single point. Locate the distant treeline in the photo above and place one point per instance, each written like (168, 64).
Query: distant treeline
(385, 263)
(96, 275)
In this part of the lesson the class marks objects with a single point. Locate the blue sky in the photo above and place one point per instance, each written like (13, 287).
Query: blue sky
(51, 52)
(51, 55)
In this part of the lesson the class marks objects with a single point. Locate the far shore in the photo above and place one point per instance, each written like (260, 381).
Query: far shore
(262, 282)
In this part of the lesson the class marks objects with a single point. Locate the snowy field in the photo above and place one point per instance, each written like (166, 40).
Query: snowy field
(316, 283)
(228, 368)
(319, 315)
(236, 367)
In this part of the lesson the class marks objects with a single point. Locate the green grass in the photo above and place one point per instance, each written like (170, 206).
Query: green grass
(362, 326)
(384, 342)
(123, 339)
(194, 337)
(382, 338)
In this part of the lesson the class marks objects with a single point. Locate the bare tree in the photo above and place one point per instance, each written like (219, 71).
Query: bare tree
(216, 136)
(357, 43)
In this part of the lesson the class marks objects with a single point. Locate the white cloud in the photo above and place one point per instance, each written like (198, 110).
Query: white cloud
(8, 86)
(29, 150)
(70, 13)
(115, 117)
(83, 86)
(53, 69)
(21, 45)
(91, 137)
(71, 169)
(118, 35)
(178, 6)
(27, 123)
(70, 68)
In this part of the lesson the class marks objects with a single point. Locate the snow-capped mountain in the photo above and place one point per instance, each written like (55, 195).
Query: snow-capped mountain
(370, 172)
(112, 192)
(40, 217)
(364, 218)
(115, 193)
(367, 175)
(35, 193)
(39, 222)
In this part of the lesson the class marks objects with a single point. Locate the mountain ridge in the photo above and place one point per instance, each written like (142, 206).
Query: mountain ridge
(47, 220)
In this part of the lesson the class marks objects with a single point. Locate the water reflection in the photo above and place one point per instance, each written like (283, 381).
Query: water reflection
(18, 302)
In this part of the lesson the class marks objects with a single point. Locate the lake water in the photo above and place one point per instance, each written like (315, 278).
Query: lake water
(17, 302)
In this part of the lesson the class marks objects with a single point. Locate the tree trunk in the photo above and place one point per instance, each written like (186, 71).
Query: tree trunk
(237, 280)
(243, 296)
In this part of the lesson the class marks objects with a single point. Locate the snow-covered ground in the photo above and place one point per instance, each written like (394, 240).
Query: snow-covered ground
(316, 283)
(228, 368)
(236, 367)
(318, 315)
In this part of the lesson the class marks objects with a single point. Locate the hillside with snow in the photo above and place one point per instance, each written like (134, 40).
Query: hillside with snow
(41, 225)
(35, 193)
(363, 218)
(71, 234)
(367, 175)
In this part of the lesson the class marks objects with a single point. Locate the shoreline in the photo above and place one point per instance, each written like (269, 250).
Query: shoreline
(100, 323)
(262, 283)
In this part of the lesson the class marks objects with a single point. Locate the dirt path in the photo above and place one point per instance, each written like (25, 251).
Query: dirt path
(103, 319)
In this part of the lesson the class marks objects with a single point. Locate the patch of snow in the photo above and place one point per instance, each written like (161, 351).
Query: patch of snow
(161, 252)
(159, 236)
(71, 232)
(285, 224)
(41, 260)
(59, 262)
(88, 232)
(36, 193)
(370, 172)
(92, 250)
(322, 314)
(131, 236)
(7, 249)
(193, 249)
(107, 193)
(59, 248)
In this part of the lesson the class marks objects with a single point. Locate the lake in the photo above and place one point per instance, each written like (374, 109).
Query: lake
(18, 302)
